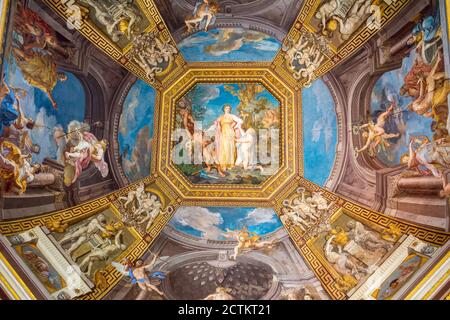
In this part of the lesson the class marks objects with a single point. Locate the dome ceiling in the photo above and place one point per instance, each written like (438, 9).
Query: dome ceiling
(219, 135)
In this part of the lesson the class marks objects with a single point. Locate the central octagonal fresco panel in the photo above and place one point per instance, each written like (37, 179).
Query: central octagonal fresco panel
(229, 136)
(227, 133)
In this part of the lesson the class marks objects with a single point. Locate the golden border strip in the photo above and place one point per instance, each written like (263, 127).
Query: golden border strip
(8, 286)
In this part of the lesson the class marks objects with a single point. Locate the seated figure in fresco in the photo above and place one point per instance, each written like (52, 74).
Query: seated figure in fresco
(83, 233)
(226, 128)
(148, 210)
(9, 107)
(426, 82)
(365, 238)
(342, 261)
(376, 135)
(138, 274)
(77, 149)
(294, 217)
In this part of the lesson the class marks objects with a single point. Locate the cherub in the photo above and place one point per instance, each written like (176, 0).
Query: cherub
(40, 71)
(433, 156)
(246, 241)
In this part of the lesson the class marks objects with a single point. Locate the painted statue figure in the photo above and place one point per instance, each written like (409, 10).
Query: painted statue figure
(77, 149)
(203, 16)
(246, 241)
(344, 16)
(103, 252)
(39, 70)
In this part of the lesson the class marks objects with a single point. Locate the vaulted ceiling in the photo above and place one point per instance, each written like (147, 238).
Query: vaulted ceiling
(141, 84)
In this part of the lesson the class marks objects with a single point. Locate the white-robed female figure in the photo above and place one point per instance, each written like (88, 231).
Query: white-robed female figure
(246, 150)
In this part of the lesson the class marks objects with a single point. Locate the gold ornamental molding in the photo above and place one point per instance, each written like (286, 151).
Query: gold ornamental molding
(77, 14)
(291, 159)
(325, 47)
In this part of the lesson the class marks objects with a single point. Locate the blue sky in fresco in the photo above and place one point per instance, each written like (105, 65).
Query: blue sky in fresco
(319, 132)
(71, 100)
(214, 97)
(138, 111)
(228, 45)
(211, 222)
(389, 85)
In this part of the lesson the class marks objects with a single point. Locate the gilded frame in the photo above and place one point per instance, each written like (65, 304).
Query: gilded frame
(290, 165)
